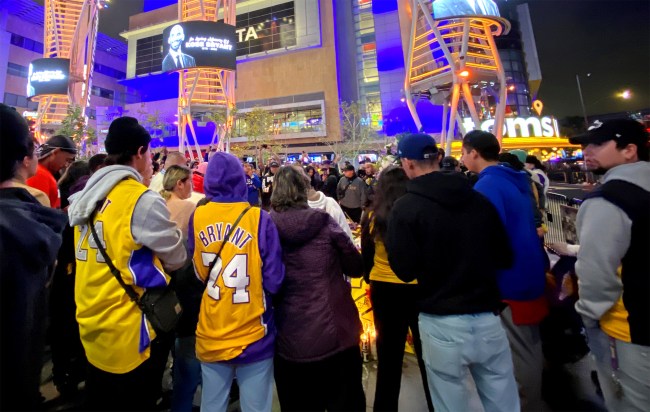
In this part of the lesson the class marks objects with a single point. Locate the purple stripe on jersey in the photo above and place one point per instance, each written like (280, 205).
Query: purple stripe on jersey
(263, 348)
(145, 273)
(145, 338)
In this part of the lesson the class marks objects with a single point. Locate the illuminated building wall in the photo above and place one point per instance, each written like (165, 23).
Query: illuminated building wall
(286, 63)
(21, 41)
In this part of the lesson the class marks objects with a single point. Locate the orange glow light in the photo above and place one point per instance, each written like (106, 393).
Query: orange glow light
(464, 73)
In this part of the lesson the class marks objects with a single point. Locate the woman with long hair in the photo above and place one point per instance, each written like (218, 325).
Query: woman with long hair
(393, 301)
(318, 363)
(177, 188)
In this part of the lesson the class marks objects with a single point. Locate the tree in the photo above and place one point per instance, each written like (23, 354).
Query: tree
(224, 121)
(572, 125)
(76, 127)
(356, 134)
(257, 127)
(154, 124)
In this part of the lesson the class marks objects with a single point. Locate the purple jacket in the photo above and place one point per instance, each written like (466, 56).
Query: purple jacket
(315, 314)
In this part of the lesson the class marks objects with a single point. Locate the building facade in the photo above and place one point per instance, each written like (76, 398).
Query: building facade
(21, 42)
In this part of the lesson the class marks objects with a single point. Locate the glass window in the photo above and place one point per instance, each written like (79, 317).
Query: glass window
(10, 99)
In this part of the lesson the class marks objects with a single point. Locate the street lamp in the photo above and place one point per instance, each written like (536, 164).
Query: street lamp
(626, 94)
(582, 100)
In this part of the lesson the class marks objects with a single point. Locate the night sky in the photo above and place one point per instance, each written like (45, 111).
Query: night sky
(608, 38)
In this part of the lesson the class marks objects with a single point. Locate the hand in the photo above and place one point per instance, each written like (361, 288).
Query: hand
(540, 232)
(563, 249)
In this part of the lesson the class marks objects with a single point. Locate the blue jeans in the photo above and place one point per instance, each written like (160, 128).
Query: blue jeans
(456, 346)
(187, 374)
(255, 382)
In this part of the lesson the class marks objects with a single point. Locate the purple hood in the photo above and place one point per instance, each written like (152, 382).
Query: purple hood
(225, 180)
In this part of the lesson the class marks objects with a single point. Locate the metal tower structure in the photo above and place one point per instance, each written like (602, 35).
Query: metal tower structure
(71, 33)
(205, 88)
(452, 59)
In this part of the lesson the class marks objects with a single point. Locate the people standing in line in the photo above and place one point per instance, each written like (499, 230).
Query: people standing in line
(177, 189)
(254, 185)
(318, 363)
(352, 194)
(371, 182)
(330, 180)
(267, 184)
(318, 200)
(172, 159)
(450, 239)
(314, 178)
(55, 155)
(236, 330)
(69, 362)
(26, 169)
(613, 267)
(126, 357)
(30, 235)
(393, 301)
(538, 171)
(522, 286)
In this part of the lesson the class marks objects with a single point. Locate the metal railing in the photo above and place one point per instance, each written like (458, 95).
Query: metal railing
(554, 217)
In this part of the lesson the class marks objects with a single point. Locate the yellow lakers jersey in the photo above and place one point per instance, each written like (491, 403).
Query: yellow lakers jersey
(114, 331)
(233, 303)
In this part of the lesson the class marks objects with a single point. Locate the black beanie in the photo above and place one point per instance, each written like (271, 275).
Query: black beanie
(125, 136)
(15, 141)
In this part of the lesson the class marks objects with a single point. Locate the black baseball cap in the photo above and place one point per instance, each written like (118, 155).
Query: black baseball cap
(349, 168)
(623, 131)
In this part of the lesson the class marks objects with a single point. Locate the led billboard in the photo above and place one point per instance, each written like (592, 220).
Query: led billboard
(443, 9)
(48, 76)
(199, 44)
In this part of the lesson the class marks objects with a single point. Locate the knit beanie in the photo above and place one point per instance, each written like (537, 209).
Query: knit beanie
(125, 136)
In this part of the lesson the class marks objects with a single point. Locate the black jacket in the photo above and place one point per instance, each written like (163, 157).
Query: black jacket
(30, 237)
(451, 239)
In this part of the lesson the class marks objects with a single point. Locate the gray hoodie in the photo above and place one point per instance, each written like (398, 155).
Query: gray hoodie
(604, 231)
(150, 225)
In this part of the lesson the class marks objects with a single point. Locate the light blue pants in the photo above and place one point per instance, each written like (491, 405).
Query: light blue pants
(633, 371)
(255, 382)
(456, 346)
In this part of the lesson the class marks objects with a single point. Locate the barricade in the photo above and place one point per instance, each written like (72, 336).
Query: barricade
(555, 218)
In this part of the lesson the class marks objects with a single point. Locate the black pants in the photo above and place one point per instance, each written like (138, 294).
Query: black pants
(353, 213)
(332, 384)
(395, 311)
(138, 390)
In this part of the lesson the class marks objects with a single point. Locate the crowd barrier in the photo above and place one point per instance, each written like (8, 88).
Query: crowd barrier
(560, 220)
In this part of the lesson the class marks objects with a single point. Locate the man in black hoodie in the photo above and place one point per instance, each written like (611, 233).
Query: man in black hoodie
(451, 239)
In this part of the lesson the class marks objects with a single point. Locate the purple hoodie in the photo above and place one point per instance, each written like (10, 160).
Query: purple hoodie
(225, 182)
(315, 313)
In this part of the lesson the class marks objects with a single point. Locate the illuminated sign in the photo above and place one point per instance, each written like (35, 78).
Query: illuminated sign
(48, 76)
(521, 127)
(443, 9)
(199, 44)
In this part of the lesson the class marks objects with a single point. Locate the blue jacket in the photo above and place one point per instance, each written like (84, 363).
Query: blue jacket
(254, 184)
(509, 191)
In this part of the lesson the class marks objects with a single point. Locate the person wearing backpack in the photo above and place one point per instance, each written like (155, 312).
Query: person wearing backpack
(613, 267)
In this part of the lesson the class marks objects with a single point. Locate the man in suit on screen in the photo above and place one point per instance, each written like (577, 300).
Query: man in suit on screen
(175, 58)
(451, 8)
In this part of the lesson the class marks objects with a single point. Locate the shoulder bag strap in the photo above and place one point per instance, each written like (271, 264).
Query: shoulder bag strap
(226, 238)
(127, 288)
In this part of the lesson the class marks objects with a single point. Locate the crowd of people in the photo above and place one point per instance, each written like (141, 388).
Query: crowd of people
(242, 273)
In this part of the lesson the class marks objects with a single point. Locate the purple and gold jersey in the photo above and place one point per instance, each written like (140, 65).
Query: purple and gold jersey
(233, 305)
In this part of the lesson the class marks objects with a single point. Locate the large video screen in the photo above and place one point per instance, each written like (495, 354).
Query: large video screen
(266, 29)
(48, 76)
(443, 9)
(199, 44)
